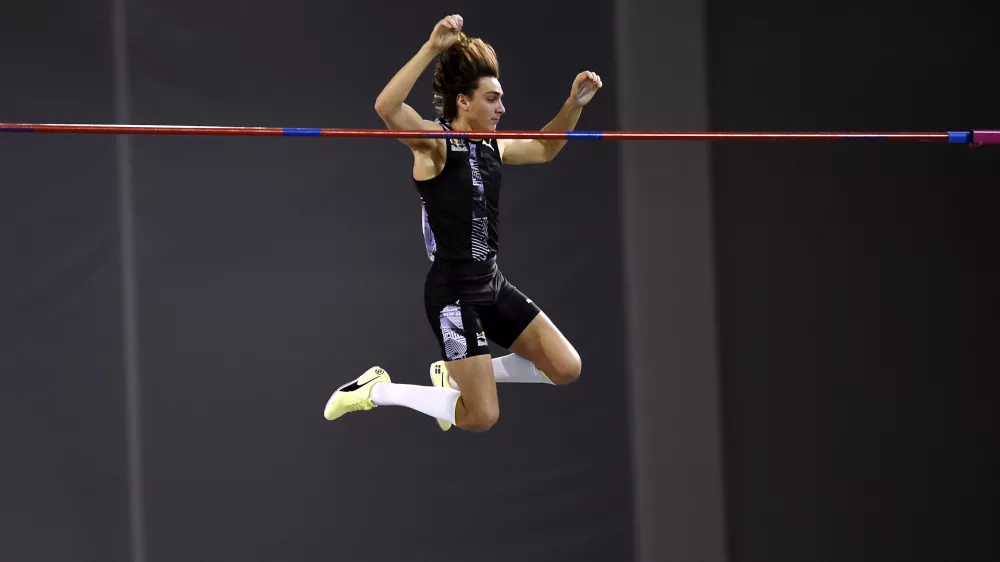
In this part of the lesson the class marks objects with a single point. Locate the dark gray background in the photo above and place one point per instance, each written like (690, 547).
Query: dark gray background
(845, 294)
(858, 285)
(63, 470)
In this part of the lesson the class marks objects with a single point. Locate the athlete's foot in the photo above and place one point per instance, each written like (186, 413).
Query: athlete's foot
(439, 378)
(355, 395)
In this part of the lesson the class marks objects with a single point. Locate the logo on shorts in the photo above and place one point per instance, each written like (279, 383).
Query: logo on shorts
(481, 339)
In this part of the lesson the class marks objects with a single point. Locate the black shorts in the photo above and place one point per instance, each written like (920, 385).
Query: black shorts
(470, 302)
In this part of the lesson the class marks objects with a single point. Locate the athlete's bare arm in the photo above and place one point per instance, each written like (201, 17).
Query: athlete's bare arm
(391, 105)
(536, 151)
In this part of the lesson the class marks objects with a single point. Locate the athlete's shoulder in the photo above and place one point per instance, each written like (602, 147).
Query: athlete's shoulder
(433, 146)
(435, 125)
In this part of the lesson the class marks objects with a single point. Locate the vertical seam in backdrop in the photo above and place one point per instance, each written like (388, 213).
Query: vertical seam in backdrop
(130, 325)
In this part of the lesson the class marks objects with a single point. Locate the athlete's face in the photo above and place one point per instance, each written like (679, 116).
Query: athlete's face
(482, 110)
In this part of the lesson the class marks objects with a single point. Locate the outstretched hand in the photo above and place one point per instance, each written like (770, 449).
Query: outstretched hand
(584, 87)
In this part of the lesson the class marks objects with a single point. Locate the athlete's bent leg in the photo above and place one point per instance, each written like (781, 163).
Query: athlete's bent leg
(544, 345)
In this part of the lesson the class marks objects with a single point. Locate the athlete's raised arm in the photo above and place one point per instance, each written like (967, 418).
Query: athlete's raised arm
(391, 102)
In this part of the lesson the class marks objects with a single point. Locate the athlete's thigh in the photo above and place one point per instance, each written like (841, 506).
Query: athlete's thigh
(534, 336)
(478, 385)
(511, 313)
(544, 345)
(459, 332)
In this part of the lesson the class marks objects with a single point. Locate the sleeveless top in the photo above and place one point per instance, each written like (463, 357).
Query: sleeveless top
(460, 212)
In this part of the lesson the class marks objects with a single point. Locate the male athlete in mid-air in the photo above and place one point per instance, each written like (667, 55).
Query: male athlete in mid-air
(467, 298)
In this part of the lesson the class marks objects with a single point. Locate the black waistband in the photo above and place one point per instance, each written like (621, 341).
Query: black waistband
(464, 268)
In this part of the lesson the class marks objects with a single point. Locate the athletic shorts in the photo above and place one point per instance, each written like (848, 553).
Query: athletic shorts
(470, 302)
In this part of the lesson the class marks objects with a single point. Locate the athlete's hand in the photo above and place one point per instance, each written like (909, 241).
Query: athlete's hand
(584, 87)
(445, 33)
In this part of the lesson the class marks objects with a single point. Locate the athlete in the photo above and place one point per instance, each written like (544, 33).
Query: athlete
(467, 299)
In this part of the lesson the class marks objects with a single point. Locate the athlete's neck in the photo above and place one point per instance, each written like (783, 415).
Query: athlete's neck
(461, 125)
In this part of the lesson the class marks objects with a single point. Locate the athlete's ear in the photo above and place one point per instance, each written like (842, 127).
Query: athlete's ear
(463, 102)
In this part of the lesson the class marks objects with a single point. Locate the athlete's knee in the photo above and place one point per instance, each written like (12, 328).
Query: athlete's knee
(481, 419)
(566, 369)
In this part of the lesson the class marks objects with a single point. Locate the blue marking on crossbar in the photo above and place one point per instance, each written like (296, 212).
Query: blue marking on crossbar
(585, 135)
(297, 132)
(963, 137)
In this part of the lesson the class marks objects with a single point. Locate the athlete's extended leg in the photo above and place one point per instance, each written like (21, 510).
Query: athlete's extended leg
(374, 388)
(475, 409)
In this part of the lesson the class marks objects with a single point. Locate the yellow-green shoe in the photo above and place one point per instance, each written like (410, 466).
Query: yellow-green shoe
(439, 377)
(355, 395)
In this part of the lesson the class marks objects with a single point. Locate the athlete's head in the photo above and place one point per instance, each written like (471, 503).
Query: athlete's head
(467, 85)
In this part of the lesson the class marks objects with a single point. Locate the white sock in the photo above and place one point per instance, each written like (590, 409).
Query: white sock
(435, 402)
(514, 368)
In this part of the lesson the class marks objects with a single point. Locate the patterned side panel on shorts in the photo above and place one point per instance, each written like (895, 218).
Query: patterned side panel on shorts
(453, 333)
